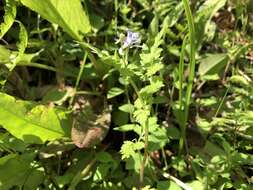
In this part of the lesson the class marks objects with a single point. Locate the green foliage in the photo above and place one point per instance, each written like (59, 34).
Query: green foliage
(126, 94)
(9, 16)
(30, 122)
(203, 18)
(17, 171)
(75, 23)
(114, 92)
(212, 63)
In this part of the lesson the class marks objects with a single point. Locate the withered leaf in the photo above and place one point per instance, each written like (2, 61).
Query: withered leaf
(88, 132)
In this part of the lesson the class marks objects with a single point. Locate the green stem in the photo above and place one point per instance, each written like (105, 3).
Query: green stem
(181, 78)
(181, 72)
(191, 74)
(221, 103)
(78, 77)
(46, 67)
(145, 157)
(37, 65)
(146, 131)
(88, 93)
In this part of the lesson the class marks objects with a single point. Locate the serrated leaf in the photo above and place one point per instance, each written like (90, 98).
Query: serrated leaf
(152, 88)
(154, 68)
(9, 16)
(204, 16)
(67, 14)
(171, 8)
(128, 148)
(114, 92)
(30, 122)
(141, 115)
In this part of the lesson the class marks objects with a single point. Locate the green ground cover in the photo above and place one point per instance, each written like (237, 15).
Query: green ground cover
(126, 94)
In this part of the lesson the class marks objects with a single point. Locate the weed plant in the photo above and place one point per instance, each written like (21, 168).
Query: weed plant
(126, 94)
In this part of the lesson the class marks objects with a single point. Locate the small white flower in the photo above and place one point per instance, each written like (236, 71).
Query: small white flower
(133, 39)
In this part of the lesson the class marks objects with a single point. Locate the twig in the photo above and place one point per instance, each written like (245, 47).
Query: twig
(177, 181)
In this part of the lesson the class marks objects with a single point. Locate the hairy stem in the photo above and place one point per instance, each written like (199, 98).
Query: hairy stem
(145, 157)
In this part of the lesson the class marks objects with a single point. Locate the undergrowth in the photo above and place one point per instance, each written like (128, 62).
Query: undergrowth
(126, 94)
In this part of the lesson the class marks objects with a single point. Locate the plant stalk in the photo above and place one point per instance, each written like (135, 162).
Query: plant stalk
(145, 156)
(191, 75)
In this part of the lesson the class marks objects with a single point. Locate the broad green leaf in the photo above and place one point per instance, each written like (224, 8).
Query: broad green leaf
(8, 142)
(9, 16)
(68, 14)
(104, 157)
(120, 118)
(213, 63)
(30, 122)
(17, 171)
(114, 92)
(4, 159)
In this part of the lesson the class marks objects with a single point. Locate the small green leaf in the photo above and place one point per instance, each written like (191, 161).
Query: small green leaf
(9, 16)
(23, 39)
(128, 148)
(240, 80)
(22, 44)
(128, 108)
(154, 87)
(114, 92)
(125, 128)
(67, 14)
